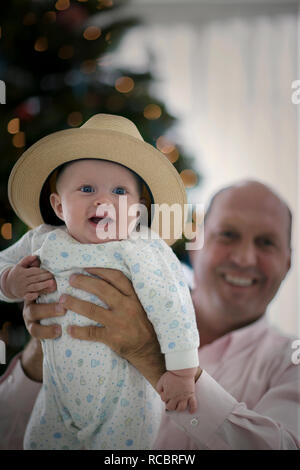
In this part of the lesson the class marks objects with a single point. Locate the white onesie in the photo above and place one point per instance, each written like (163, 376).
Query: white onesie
(91, 398)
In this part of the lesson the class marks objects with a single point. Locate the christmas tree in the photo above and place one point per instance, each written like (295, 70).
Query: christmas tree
(54, 61)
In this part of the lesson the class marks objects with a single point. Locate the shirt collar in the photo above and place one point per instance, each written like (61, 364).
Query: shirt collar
(235, 341)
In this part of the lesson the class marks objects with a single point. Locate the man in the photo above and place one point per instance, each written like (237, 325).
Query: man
(248, 387)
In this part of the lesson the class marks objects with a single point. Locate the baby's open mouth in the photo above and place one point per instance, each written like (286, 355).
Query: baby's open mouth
(100, 220)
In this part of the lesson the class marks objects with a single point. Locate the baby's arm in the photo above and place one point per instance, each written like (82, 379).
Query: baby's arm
(26, 280)
(177, 389)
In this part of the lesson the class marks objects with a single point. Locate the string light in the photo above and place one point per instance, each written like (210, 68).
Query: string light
(13, 126)
(88, 66)
(29, 19)
(173, 155)
(62, 5)
(50, 16)
(65, 52)
(75, 119)
(124, 84)
(91, 33)
(41, 44)
(19, 140)
(6, 231)
(152, 112)
(164, 145)
(189, 178)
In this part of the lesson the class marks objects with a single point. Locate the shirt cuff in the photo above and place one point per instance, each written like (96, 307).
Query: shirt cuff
(214, 405)
(17, 387)
(182, 359)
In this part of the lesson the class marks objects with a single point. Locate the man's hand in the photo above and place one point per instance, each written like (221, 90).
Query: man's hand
(33, 313)
(126, 328)
(32, 356)
(26, 280)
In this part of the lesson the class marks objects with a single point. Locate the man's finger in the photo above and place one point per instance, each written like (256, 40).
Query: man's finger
(43, 331)
(88, 333)
(87, 309)
(35, 312)
(98, 287)
(115, 277)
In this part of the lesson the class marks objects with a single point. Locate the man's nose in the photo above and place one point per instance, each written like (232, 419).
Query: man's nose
(244, 254)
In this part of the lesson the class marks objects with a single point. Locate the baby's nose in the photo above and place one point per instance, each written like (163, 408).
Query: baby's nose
(102, 199)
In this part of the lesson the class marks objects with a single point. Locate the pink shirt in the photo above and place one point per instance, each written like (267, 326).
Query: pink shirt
(248, 397)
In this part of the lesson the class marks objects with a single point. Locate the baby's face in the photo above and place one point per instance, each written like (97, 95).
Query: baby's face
(87, 200)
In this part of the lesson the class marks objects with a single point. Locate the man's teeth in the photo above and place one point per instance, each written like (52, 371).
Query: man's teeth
(239, 281)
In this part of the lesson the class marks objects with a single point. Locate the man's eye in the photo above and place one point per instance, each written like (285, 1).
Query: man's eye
(227, 234)
(119, 190)
(265, 242)
(87, 189)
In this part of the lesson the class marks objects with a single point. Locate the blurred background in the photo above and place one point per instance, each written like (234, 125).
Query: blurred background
(208, 83)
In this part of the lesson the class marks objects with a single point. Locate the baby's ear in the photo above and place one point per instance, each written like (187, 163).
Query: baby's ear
(56, 204)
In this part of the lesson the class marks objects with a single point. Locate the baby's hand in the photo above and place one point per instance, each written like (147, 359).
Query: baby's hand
(26, 280)
(177, 389)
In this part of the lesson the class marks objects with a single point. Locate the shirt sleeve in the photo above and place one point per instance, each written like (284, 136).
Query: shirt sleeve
(11, 256)
(17, 396)
(222, 423)
(159, 283)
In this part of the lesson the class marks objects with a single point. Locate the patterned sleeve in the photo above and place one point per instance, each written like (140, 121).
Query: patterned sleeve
(159, 283)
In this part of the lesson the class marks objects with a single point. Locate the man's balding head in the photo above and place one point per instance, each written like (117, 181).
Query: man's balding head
(245, 258)
(257, 190)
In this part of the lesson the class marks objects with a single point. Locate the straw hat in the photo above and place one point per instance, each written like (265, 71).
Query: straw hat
(105, 137)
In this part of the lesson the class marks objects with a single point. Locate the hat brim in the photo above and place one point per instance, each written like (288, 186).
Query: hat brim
(38, 162)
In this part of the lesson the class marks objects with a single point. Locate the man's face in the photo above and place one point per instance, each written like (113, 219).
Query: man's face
(84, 189)
(246, 255)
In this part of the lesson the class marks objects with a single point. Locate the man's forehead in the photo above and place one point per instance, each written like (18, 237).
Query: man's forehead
(253, 202)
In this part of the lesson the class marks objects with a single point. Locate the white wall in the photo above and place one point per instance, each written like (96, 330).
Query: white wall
(226, 72)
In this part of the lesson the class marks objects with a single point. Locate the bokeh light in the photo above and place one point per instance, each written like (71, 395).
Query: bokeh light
(152, 112)
(29, 19)
(19, 140)
(62, 5)
(66, 52)
(75, 119)
(124, 84)
(6, 231)
(189, 178)
(41, 44)
(91, 33)
(164, 145)
(13, 126)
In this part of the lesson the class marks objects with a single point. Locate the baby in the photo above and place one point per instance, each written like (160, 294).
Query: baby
(91, 398)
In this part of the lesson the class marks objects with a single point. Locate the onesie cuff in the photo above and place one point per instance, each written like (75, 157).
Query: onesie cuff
(182, 359)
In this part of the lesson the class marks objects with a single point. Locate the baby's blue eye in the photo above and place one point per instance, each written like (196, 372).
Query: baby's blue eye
(119, 190)
(87, 189)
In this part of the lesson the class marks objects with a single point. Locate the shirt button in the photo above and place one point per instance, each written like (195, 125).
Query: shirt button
(194, 422)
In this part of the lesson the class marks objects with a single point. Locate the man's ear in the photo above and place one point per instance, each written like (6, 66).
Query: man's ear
(55, 201)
